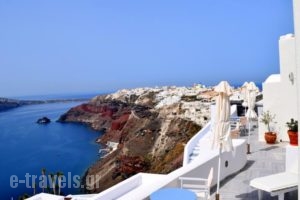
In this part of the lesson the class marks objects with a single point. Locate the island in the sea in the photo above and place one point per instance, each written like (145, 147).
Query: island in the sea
(43, 120)
(146, 129)
(7, 104)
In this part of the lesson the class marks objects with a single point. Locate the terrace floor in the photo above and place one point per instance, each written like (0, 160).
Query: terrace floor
(265, 159)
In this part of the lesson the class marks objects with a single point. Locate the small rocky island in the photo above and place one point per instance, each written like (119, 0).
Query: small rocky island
(148, 127)
(43, 120)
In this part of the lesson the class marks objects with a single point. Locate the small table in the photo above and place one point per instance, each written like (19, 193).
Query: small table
(174, 194)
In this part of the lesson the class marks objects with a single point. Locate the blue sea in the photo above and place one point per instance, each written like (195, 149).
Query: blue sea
(27, 147)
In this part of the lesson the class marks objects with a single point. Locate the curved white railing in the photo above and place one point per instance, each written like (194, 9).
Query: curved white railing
(189, 147)
(232, 162)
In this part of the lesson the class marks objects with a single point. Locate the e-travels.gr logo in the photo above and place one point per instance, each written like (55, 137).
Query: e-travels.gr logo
(51, 181)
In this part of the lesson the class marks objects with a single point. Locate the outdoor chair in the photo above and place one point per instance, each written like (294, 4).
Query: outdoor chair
(242, 126)
(276, 184)
(201, 186)
(280, 183)
(234, 134)
(235, 128)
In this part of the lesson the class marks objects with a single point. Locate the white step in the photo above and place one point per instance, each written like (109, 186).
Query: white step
(196, 151)
(197, 148)
(193, 157)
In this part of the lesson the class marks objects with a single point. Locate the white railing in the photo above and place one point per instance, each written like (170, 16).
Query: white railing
(125, 186)
(189, 147)
(45, 196)
(115, 191)
(199, 168)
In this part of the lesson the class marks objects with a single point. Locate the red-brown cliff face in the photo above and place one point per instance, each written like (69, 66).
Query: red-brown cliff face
(150, 138)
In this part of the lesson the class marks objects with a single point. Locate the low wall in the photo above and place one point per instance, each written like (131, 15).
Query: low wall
(291, 161)
(189, 147)
(115, 191)
(120, 189)
(235, 160)
(198, 168)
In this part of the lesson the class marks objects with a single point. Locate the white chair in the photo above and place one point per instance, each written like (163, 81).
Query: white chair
(276, 184)
(242, 126)
(201, 186)
(280, 183)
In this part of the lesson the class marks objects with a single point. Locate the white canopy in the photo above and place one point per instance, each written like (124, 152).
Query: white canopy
(221, 127)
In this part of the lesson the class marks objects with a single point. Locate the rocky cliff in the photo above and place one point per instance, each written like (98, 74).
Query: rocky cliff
(149, 125)
(6, 104)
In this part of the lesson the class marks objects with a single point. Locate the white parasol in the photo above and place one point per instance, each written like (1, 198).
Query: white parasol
(221, 126)
(244, 95)
(251, 92)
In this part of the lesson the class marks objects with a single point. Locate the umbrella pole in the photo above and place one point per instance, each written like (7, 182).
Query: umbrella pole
(219, 172)
(248, 145)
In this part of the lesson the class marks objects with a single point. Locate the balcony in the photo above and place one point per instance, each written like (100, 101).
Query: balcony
(264, 160)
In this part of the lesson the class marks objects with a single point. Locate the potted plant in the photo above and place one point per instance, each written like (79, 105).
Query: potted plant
(293, 131)
(267, 118)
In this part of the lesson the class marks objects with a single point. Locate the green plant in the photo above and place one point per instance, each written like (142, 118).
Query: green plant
(267, 118)
(292, 125)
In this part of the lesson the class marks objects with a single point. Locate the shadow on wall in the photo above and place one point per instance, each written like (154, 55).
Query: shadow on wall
(269, 148)
(230, 177)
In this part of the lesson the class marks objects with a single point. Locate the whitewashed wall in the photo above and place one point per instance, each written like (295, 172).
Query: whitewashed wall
(279, 92)
(297, 33)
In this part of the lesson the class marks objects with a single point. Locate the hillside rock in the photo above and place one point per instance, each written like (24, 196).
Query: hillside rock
(150, 125)
(6, 104)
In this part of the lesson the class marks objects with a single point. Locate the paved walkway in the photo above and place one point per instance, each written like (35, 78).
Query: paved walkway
(264, 159)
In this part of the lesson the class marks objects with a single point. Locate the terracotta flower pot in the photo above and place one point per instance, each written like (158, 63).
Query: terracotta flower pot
(270, 137)
(293, 135)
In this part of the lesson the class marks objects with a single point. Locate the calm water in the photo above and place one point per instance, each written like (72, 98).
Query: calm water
(27, 147)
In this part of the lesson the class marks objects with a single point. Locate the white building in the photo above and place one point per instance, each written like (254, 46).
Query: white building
(296, 7)
(280, 91)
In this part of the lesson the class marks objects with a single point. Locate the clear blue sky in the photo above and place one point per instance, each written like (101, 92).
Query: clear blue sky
(69, 46)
